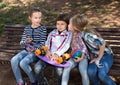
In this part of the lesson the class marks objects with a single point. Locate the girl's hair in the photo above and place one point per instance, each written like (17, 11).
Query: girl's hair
(81, 23)
(63, 17)
(33, 10)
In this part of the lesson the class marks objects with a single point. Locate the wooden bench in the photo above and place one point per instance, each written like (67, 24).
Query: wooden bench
(10, 38)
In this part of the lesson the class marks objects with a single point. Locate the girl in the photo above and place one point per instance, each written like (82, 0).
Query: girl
(58, 42)
(102, 60)
(35, 36)
(82, 62)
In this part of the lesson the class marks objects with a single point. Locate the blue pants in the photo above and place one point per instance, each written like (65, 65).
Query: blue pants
(82, 65)
(23, 59)
(101, 74)
(40, 65)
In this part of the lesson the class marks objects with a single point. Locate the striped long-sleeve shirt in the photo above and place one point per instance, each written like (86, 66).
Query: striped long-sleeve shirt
(38, 35)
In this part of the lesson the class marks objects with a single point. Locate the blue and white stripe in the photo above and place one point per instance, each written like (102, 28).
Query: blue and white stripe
(38, 34)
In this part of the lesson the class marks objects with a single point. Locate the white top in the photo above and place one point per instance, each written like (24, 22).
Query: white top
(59, 43)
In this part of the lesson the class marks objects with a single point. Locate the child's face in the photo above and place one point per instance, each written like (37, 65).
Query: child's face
(35, 18)
(61, 25)
(71, 27)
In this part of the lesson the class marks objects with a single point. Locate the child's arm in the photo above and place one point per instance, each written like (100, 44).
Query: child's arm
(25, 39)
(100, 55)
(48, 54)
(83, 50)
(24, 36)
(47, 43)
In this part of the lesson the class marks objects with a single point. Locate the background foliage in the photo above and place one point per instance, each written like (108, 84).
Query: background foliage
(100, 13)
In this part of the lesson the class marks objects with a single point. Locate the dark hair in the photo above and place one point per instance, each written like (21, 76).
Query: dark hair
(63, 17)
(32, 10)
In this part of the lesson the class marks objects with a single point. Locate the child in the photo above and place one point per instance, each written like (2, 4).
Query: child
(102, 60)
(77, 44)
(58, 42)
(34, 35)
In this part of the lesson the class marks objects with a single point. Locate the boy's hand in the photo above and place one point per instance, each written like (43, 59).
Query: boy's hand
(28, 40)
(54, 56)
(48, 54)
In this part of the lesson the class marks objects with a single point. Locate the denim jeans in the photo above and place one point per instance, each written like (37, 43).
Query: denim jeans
(39, 67)
(22, 60)
(82, 65)
(101, 74)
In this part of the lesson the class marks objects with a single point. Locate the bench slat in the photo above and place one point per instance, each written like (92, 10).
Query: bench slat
(12, 35)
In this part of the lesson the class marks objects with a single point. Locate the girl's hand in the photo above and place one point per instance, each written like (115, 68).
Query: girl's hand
(97, 62)
(78, 59)
(30, 49)
(93, 60)
(28, 40)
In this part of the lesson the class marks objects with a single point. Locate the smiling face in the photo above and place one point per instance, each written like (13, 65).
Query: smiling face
(61, 25)
(35, 19)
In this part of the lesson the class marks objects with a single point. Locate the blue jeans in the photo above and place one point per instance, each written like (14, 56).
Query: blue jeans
(101, 74)
(40, 65)
(82, 65)
(23, 59)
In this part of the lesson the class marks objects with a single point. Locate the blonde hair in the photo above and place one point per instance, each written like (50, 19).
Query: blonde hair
(81, 23)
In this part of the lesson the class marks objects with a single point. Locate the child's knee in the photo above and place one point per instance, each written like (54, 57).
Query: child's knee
(14, 61)
(22, 64)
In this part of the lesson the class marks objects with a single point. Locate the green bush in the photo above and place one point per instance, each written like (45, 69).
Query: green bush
(3, 4)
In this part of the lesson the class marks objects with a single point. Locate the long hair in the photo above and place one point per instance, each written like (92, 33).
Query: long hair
(81, 23)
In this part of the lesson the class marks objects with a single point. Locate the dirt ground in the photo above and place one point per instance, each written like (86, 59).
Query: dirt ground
(7, 77)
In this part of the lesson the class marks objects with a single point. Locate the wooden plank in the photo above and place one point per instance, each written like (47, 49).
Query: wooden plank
(107, 29)
(11, 48)
(10, 44)
(114, 72)
(10, 51)
(109, 33)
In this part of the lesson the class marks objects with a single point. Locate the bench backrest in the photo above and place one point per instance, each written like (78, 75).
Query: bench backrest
(112, 37)
(10, 38)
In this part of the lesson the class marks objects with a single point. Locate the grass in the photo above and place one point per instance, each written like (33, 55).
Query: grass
(16, 13)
